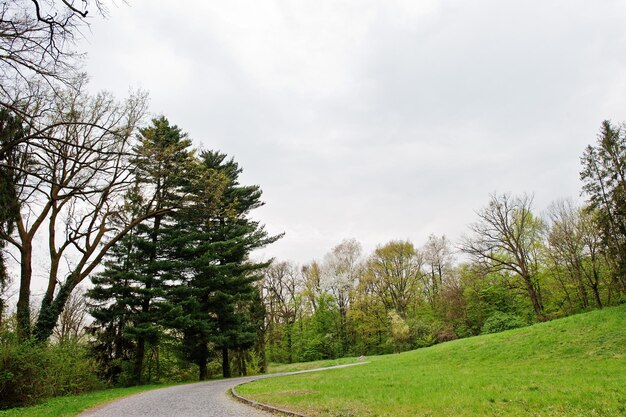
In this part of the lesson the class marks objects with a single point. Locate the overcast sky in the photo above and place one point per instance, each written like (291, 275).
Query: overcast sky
(376, 120)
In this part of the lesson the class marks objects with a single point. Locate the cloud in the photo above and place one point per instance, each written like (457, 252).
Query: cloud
(377, 120)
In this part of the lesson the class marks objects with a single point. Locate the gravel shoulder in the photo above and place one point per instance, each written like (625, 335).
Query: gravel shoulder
(210, 399)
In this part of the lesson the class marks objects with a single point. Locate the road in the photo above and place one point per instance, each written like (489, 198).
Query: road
(208, 399)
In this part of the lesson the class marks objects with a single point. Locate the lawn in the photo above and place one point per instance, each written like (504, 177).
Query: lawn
(73, 405)
(574, 367)
(275, 368)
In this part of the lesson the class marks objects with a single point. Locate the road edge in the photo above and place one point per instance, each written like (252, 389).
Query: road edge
(262, 406)
(266, 407)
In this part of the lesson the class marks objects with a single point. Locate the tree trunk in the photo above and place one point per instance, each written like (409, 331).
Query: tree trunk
(243, 370)
(535, 297)
(263, 355)
(140, 353)
(596, 295)
(225, 363)
(49, 312)
(204, 373)
(23, 302)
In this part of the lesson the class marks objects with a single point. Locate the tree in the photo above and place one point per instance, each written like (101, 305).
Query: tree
(281, 287)
(133, 283)
(394, 273)
(71, 324)
(604, 182)
(438, 263)
(71, 194)
(38, 58)
(340, 274)
(507, 238)
(213, 239)
(11, 166)
(574, 251)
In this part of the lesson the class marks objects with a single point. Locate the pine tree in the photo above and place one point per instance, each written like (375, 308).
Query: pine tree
(212, 245)
(134, 276)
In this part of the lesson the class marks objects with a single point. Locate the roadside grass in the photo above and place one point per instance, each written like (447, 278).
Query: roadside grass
(275, 368)
(574, 367)
(72, 405)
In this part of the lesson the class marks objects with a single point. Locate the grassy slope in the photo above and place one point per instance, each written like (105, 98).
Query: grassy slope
(575, 366)
(75, 404)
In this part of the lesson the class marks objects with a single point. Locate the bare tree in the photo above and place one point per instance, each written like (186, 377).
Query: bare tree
(281, 287)
(507, 238)
(438, 261)
(71, 324)
(71, 193)
(37, 40)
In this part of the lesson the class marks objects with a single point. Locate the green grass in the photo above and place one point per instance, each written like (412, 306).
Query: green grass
(574, 367)
(274, 368)
(73, 405)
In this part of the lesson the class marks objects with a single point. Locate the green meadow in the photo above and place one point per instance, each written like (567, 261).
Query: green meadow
(72, 405)
(575, 367)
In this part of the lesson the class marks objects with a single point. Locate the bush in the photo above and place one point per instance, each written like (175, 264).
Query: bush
(33, 371)
(499, 322)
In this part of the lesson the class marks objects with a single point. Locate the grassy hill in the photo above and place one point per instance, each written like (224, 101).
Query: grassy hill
(574, 366)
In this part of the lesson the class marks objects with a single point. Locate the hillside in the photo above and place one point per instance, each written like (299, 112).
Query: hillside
(574, 366)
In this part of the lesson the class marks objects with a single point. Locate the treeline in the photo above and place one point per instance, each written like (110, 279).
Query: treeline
(515, 266)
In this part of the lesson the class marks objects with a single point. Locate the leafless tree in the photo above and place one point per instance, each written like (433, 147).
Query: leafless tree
(71, 324)
(71, 194)
(281, 287)
(37, 41)
(507, 238)
(438, 262)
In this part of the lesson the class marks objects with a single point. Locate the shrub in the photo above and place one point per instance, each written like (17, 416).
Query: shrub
(499, 322)
(33, 371)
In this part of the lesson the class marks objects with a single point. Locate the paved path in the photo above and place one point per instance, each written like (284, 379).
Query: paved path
(209, 399)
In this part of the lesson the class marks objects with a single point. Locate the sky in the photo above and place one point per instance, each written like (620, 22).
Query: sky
(375, 120)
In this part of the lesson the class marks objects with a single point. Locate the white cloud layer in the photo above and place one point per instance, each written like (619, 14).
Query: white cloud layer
(376, 120)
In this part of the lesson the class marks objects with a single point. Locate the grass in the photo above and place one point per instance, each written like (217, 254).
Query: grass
(73, 405)
(574, 367)
(274, 368)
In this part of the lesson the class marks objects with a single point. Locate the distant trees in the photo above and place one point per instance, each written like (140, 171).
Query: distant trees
(395, 274)
(507, 237)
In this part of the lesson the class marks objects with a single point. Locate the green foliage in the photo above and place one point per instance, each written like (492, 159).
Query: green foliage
(500, 322)
(604, 182)
(31, 371)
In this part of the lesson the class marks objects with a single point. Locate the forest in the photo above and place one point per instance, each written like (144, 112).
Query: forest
(147, 246)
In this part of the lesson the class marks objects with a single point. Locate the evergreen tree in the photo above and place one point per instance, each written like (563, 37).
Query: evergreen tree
(604, 178)
(133, 281)
(212, 243)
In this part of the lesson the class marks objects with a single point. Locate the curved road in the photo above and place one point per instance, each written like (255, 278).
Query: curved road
(209, 399)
